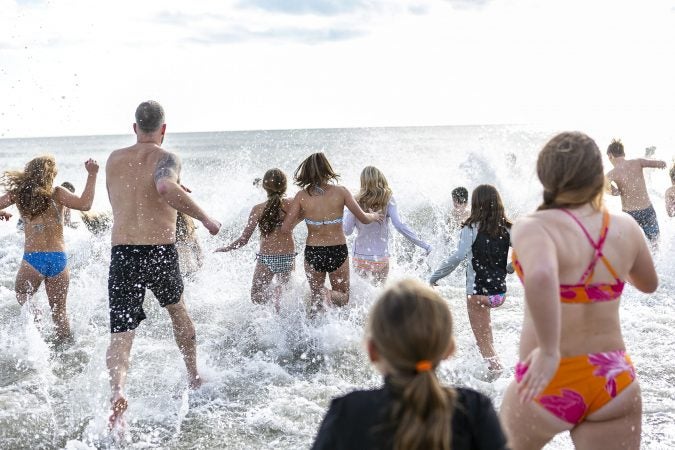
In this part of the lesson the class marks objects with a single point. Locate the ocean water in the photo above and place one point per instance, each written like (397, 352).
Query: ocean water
(270, 377)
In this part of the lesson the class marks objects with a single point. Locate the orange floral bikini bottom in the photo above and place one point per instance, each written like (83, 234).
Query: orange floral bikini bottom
(583, 384)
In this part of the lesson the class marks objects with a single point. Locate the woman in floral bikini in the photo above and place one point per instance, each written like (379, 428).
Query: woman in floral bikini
(573, 257)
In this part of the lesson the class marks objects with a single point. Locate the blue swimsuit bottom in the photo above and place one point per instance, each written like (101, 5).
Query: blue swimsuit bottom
(49, 264)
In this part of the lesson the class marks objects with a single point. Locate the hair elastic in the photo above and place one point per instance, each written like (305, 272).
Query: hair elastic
(423, 366)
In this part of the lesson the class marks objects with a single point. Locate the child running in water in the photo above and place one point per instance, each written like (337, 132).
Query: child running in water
(322, 205)
(41, 207)
(277, 248)
(484, 242)
(410, 333)
(370, 253)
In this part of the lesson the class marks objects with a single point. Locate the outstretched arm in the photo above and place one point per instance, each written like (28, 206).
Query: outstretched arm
(84, 201)
(654, 163)
(348, 223)
(404, 229)
(452, 261)
(251, 225)
(167, 174)
(6, 200)
(538, 257)
(354, 207)
(292, 216)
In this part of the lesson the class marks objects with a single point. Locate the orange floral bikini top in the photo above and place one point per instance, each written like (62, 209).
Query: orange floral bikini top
(585, 291)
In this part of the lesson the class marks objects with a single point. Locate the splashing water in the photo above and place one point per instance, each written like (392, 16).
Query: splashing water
(269, 377)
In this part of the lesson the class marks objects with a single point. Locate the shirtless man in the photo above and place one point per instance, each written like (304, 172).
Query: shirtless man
(144, 188)
(627, 180)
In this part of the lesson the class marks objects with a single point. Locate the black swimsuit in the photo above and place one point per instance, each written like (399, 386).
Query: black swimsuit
(326, 258)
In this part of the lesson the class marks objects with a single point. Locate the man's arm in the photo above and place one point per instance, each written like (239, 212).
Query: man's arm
(610, 187)
(654, 163)
(166, 177)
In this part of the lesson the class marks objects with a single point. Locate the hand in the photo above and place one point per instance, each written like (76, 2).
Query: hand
(212, 225)
(662, 165)
(91, 166)
(377, 217)
(4, 215)
(427, 252)
(540, 370)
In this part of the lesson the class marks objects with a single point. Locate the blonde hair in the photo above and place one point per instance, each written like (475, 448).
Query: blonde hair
(570, 169)
(31, 189)
(375, 192)
(411, 323)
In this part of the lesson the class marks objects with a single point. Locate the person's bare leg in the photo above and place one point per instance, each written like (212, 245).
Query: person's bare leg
(262, 278)
(618, 424)
(380, 273)
(316, 284)
(117, 360)
(528, 426)
(186, 339)
(57, 293)
(339, 283)
(282, 280)
(479, 317)
(27, 283)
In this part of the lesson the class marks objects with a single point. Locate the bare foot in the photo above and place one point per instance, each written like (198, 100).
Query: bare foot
(196, 383)
(116, 420)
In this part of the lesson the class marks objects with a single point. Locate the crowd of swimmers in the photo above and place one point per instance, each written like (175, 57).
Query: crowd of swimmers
(572, 256)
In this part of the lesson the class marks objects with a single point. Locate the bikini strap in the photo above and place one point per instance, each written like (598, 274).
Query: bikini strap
(597, 246)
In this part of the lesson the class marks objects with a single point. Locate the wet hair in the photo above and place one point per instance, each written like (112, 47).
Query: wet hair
(672, 174)
(570, 169)
(68, 185)
(410, 323)
(460, 195)
(274, 183)
(185, 228)
(487, 210)
(375, 192)
(31, 189)
(616, 148)
(313, 172)
(149, 116)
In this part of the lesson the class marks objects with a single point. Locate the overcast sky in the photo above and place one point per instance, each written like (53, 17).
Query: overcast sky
(79, 67)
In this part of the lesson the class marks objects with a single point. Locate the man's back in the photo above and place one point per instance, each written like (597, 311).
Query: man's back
(630, 180)
(140, 215)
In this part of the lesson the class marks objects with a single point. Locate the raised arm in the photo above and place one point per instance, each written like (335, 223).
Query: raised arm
(537, 255)
(451, 262)
(354, 207)
(167, 173)
(84, 201)
(251, 225)
(293, 215)
(653, 163)
(402, 228)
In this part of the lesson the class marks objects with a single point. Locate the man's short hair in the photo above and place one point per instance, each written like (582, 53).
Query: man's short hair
(68, 185)
(149, 116)
(615, 148)
(460, 195)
